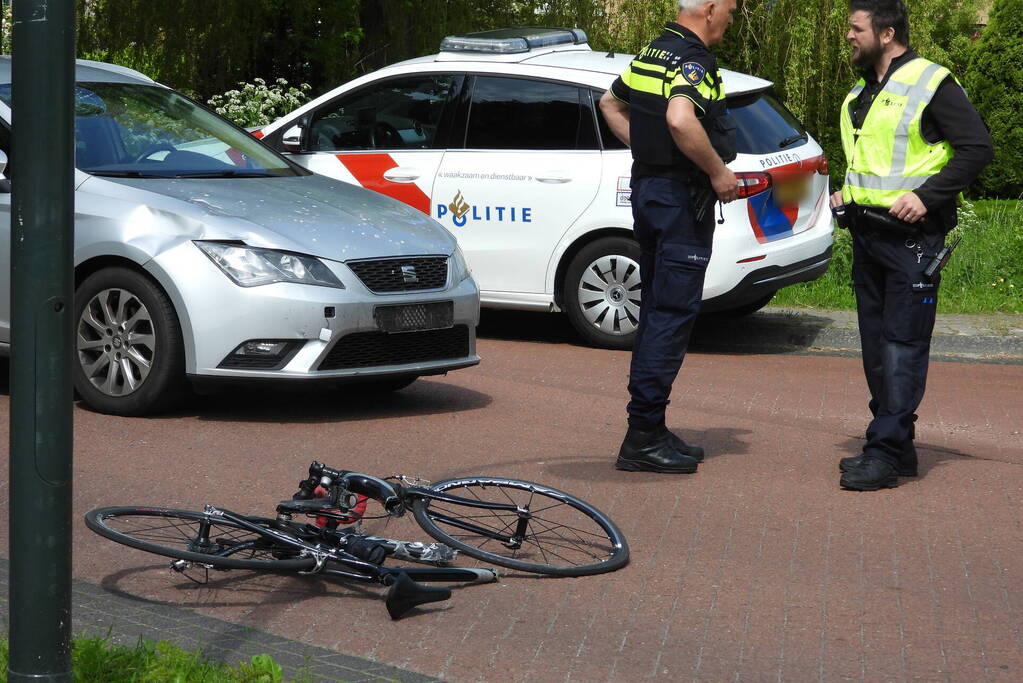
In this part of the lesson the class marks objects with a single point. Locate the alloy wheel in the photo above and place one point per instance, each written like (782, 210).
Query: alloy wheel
(116, 342)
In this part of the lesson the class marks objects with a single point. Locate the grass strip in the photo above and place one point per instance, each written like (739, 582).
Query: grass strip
(97, 660)
(985, 274)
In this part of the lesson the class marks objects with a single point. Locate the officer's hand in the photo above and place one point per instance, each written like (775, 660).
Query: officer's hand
(725, 185)
(909, 208)
(836, 199)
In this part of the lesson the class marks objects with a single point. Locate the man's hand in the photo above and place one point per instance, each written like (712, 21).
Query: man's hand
(836, 199)
(909, 208)
(725, 185)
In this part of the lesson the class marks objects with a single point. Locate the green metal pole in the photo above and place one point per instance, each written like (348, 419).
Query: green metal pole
(42, 236)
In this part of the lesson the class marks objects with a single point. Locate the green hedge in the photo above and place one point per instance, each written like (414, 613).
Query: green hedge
(995, 83)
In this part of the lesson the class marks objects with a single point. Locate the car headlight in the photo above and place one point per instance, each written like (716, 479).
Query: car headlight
(459, 268)
(254, 266)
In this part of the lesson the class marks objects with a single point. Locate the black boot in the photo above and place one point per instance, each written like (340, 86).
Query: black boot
(676, 442)
(650, 450)
(907, 461)
(870, 475)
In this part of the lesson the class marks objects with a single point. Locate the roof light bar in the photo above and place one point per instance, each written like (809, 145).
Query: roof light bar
(513, 40)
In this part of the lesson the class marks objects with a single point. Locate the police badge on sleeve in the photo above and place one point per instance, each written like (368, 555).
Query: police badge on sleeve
(693, 72)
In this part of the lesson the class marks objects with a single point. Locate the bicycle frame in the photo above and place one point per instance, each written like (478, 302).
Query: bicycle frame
(358, 570)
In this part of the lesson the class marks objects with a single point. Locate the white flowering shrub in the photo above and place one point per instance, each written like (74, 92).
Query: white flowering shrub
(6, 22)
(257, 104)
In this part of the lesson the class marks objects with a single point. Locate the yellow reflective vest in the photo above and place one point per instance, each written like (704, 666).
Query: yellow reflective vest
(887, 155)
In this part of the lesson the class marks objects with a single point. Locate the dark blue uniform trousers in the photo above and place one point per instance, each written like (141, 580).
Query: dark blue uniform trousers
(896, 305)
(674, 253)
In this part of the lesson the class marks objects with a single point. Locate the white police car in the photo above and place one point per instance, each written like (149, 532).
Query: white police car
(499, 138)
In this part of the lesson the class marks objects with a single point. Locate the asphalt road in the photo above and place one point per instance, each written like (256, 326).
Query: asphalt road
(757, 567)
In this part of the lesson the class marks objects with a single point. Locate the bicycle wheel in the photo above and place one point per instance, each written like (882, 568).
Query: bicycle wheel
(564, 536)
(179, 534)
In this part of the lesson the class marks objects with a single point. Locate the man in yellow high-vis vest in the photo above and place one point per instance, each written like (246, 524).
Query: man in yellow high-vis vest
(912, 143)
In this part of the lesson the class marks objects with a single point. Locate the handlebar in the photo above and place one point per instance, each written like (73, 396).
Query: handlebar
(387, 494)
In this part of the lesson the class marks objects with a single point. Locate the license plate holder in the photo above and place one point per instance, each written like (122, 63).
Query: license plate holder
(791, 190)
(435, 315)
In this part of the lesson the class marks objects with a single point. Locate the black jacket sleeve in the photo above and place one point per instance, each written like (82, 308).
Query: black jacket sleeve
(950, 116)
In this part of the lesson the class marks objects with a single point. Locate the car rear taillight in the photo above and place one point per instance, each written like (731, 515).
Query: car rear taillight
(822, 166)
(751, 183)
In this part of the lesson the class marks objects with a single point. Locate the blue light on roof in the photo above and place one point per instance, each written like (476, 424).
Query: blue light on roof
(513, 40)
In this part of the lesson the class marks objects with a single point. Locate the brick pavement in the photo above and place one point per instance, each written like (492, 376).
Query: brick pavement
(756, 568)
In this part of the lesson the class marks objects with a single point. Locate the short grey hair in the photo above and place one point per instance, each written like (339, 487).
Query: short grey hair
(690, 5)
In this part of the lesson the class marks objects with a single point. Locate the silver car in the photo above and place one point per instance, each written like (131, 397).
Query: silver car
(202, 255)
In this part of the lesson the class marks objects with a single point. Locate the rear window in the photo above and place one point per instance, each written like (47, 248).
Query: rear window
(763, 124)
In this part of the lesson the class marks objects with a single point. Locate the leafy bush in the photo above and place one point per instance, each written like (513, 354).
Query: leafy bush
(995, 83)
(257, 104)
(97, 660)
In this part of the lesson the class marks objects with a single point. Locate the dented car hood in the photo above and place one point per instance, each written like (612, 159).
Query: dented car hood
(308, 214)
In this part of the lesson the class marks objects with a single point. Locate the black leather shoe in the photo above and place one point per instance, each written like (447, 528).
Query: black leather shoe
(676, 442)
(907, 461)
(870, 475)
(651, 451)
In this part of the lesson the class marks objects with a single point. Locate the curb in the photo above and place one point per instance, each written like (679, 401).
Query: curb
(983, 339)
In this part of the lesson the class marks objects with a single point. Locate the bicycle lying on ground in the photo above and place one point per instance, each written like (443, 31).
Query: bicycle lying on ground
(510, 523)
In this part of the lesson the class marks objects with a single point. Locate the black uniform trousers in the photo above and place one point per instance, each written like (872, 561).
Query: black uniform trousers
(674, 253)
(895, 304)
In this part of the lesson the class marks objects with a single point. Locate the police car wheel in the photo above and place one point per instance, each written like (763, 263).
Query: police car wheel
(601, 292)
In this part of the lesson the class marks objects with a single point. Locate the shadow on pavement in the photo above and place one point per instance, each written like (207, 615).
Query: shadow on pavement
(346, 403)
(319, 405)
(714, 333)
(599, 467)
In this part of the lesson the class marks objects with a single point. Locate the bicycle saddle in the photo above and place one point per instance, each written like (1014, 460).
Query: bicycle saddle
(404, 594)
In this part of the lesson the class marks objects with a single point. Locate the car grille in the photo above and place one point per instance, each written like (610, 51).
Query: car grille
(368, 349)
(402, 274)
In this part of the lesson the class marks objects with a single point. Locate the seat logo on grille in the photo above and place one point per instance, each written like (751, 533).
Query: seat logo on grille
(408, 274)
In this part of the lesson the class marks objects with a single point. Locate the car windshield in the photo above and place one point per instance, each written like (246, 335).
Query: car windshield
(146, 131)
(763, 124)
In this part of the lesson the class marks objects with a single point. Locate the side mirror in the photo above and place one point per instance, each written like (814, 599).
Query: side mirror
(3, 162)
(292, 139)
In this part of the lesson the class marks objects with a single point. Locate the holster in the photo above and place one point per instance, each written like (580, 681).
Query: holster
(703, 198)
(873, 219)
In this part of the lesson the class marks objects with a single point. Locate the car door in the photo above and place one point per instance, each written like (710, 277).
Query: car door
(528, 167)
(387, 136)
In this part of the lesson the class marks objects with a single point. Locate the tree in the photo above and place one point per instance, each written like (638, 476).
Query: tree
(995, 84)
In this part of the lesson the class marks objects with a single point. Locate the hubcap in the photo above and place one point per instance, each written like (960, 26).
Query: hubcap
(116, 342)
(609, 294)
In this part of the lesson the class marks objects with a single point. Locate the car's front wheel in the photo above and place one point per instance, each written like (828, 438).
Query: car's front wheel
(129, 357)
(601, 292)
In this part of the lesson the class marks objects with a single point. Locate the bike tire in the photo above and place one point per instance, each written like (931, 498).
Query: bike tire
(173, 533)
(566, 537)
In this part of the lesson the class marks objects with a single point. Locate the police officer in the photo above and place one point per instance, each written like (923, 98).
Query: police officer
(912, 143)
(669, 107)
